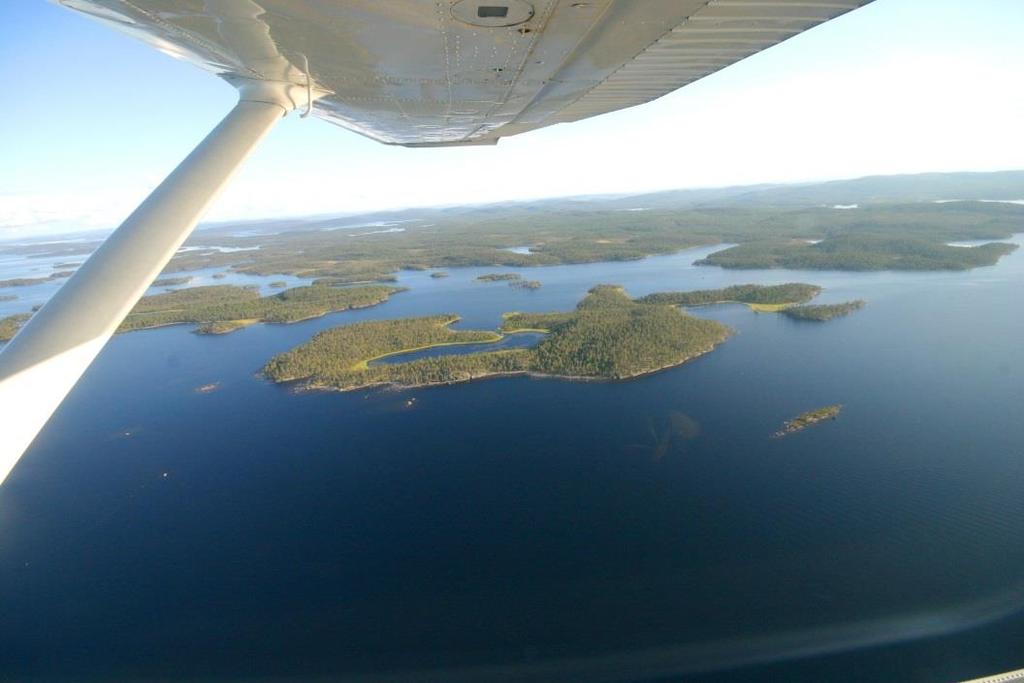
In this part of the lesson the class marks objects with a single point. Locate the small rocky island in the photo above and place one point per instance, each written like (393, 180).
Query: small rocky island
(29, 281)
(808, 419)
(514, 280)
(525, 284)
(499, 277)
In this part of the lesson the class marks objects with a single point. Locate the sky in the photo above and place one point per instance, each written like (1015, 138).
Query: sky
(94, 120)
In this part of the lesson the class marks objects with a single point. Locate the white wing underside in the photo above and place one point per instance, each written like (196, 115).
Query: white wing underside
(406, 72)
(409, 72)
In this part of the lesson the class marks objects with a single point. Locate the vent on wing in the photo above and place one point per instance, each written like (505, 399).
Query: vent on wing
(492, 13)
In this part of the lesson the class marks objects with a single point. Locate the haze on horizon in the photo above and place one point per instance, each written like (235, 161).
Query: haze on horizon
(899, 86)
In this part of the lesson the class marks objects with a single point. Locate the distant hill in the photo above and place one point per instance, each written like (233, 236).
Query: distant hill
(891, 189)
(902, 189)
(881, 189)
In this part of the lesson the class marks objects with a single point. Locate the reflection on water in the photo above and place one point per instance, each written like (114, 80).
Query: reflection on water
(678, 429)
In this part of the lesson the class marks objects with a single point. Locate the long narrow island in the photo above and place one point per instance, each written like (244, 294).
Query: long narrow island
(760, 298)
(219, 309)
(858, 252)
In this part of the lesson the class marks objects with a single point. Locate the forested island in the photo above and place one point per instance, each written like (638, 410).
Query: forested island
(172, 281)
(29, 281)
(823, 312)
(608, 336)
(219, 309)
(223, 308)
(808, 419)
(757, 297)
(11, 324)
(525, 284)
(515, 280)
(858, 252)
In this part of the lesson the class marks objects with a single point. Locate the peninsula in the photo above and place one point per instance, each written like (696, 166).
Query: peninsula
(608, 336)
(219, 309)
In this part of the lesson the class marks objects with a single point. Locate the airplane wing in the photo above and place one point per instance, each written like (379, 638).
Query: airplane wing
(404, 72)
(428, 72)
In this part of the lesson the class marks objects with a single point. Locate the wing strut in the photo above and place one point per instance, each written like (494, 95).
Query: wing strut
(39, 367)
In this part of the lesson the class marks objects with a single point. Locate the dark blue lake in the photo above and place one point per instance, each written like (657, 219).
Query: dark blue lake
(551, 529)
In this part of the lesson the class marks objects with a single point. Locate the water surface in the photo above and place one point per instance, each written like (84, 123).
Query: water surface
(539, 523)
